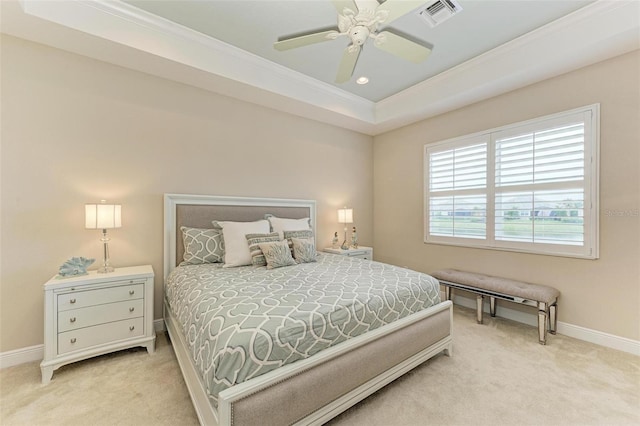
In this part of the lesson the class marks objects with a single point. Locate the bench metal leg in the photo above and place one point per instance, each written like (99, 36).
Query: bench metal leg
(448, 293)
(542, 323)
(492, 306)
(479, 305)
(553, 318)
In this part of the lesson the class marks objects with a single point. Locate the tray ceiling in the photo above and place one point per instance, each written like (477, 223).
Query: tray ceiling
(254, 26)
(490, 47)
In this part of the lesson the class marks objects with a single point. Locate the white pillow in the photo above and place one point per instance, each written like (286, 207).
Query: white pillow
(279, 224)
(235, 241)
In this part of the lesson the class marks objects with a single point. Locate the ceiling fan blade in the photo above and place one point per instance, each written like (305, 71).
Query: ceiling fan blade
(340, 5)
(370, 5)
(347, 64)
(305, 40)
(402, 47)
(398, 8)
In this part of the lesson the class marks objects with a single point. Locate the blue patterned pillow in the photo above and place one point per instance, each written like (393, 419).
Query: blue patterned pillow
(277, 254)
(202, 246)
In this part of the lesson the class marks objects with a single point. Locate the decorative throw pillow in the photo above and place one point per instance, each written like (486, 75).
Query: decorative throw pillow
(254, 240)
(236, 248)
(277, 254)
(304, 250)
(288, 235)
(202, 246)
(280, 224)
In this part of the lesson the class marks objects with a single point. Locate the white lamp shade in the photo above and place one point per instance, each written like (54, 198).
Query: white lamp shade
(345, 215)
(103, 216)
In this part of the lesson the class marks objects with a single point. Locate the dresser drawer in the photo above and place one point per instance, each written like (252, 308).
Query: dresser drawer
(361, 256)
(99, 314)
(81, 299)
(360, 252)
(112, 332)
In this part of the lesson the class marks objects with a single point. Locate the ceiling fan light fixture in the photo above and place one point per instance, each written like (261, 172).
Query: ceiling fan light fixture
(362, 80)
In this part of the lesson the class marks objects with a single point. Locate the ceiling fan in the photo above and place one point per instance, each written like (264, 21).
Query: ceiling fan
(360, 20)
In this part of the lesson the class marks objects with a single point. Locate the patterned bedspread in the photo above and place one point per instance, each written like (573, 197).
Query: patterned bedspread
(242, 322)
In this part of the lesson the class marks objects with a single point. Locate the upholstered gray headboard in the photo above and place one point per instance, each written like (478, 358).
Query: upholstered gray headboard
(198, 211)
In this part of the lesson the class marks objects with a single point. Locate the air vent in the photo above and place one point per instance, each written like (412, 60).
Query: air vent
(439, 11)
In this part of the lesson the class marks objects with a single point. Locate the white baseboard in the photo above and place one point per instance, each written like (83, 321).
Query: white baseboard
(36, 353)
(599, 338)
(21, 356)
(592, 336)
(158, 325)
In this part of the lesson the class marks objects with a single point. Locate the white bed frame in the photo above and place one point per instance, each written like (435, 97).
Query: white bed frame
(230, 398)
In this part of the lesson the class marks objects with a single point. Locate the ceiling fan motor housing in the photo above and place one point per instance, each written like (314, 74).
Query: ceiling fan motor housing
(359, 34)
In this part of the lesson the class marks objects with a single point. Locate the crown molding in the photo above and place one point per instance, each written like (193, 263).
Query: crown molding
(121, 34)
(597, 32)
(129, 26)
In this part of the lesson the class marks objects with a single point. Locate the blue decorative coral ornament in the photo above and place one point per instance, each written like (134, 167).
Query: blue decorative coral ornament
(74, 267)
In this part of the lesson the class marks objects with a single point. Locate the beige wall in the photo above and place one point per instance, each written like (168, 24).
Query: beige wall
(601, 294)
(75, 130)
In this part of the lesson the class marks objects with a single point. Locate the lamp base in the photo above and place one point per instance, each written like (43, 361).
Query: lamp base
(345, 245)
(106, 263)
(105, 269)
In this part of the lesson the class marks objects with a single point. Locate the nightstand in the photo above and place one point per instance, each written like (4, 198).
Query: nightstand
(361, 252)
(95, 314)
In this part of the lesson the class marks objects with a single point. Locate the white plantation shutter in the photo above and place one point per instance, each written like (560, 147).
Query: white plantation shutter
(459, 216)
(537, 182)
(551, 155)
(459, 168)
(457, 185)
(550, 217)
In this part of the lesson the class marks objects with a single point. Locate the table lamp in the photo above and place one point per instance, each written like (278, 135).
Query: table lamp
(345, 216)
(104, 216)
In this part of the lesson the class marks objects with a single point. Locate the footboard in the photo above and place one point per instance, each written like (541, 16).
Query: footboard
(315, 390)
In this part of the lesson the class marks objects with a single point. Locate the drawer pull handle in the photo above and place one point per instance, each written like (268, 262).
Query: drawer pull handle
(72, 301)
(131, 328)
(73, 340)
(132, 309)
(72, 319)
(131, 292)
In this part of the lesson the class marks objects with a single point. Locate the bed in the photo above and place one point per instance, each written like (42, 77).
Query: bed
(303, 377)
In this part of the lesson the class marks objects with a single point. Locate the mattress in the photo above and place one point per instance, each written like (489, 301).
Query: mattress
(240, 323)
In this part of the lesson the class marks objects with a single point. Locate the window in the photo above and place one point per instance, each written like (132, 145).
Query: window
(528, 187)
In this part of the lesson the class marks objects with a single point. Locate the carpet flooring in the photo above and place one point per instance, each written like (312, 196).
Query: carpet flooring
(498, 375)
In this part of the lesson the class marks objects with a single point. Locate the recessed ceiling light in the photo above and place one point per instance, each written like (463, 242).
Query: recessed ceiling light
(362, 80)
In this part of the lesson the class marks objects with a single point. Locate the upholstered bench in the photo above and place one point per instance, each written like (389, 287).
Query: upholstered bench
(543, 297)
